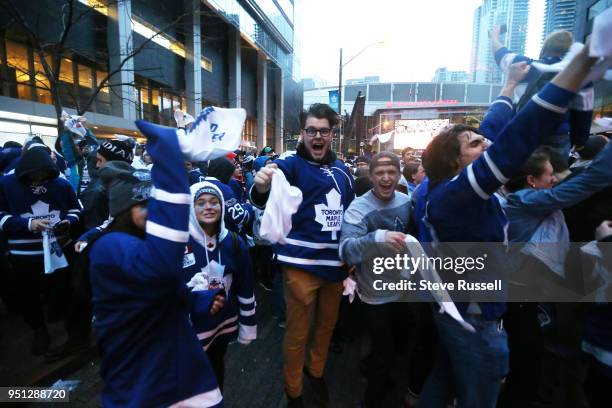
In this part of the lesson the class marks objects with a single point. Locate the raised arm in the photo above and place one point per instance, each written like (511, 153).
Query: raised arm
(525, 132)
(502, 109)
(494, 34)
(595, 178)
(159, 257)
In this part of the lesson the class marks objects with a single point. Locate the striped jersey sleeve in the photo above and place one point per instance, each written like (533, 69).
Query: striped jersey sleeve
(247, 321)
(161, 254)
(497, 117)
(515, 143)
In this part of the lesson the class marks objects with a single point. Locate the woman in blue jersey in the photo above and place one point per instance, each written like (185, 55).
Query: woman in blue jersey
(151, 356)
(216, 258)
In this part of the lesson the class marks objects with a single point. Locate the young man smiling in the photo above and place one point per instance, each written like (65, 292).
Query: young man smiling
(312, 270)
(374, 226)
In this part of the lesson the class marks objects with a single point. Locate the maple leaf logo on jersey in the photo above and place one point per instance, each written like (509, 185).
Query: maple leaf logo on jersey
(399, 225)
(330, 215)
(40, 210)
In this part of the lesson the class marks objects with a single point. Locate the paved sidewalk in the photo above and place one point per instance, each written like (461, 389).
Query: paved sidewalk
(254, 372)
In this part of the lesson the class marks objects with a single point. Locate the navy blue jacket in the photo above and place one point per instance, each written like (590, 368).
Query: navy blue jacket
(464, 208)
(151, 356)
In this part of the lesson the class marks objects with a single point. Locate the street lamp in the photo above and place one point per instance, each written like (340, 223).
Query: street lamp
(341, 65)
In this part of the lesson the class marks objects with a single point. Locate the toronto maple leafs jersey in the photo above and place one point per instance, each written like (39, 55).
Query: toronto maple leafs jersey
(223, 263)
(19, 203)
(312, 243)
(238, 217)
(151, 356)
(228, 267)
(464, 208)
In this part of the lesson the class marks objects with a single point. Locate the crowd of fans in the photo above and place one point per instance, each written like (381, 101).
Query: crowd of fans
(162, 255)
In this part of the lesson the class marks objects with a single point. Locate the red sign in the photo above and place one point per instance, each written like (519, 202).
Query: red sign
(423, 103)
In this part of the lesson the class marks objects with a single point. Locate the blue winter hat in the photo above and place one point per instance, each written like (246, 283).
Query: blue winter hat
(260, 162)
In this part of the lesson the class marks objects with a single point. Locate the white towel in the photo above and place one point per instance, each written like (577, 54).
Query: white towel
(350, 288)
(74, 124)
(283, 202)
(215, 132)
(441, 296)
(52, 251)
(182, 119)
(601, 36)
(601, 70)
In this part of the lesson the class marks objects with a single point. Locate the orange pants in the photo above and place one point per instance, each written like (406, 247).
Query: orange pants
(307, 294)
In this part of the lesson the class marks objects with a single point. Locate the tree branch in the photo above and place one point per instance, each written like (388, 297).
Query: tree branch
(67, 25)
(130, 56)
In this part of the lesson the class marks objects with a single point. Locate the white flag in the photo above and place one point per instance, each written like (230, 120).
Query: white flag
(74, 124)
(53, 254)
(215, 132)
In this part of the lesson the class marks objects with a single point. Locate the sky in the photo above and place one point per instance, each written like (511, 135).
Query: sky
(418, 36)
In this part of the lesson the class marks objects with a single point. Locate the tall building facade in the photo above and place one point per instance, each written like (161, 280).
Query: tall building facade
(186, 54)
(586, 11)
(559, 15)
(444, 75)
(513, 13)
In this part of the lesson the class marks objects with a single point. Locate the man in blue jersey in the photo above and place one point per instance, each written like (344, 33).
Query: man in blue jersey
(464, 171)
(312, 270)
(32, 200)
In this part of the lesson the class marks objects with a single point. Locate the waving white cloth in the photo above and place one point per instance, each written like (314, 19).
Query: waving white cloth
(601, 44)
(283, 202)
(441, 295)
(52, 253)
(74, 124)
(182, 119)
(215, 132)
(599, 71)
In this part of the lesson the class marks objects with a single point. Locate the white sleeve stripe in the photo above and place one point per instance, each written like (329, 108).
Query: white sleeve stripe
(504, 102)
(224, 325)
(246, 300)
(313, 245)
(3, 220)
(247, 312)
(205, 399)
(584, 100)
(305, 261)
(498, 174)
(247, 332)
(74, 210)
(474, 183)
(25, 241)
(73, 215)
(167, 233)
(547, 105)
(506, 61)
(173, 198)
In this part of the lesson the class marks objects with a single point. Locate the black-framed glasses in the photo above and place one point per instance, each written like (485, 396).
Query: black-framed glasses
(312, 131)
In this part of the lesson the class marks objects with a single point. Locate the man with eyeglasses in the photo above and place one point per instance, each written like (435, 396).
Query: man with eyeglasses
(312, 270)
